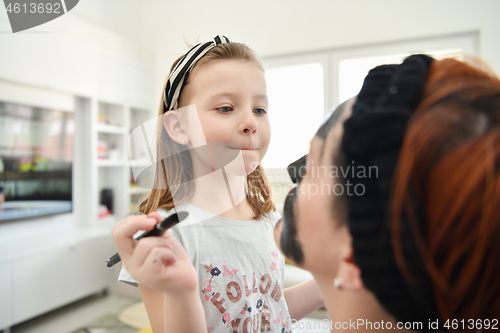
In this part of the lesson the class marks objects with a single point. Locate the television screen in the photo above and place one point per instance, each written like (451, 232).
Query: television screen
(36, 152)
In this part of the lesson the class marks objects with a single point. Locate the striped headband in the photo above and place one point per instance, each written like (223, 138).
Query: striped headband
(180, 73)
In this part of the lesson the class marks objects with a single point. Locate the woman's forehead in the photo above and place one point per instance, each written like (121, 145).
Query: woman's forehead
(332, 128)
(330, 120)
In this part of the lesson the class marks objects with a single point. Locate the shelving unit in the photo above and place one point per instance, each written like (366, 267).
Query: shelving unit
(50, 261)
(111, 124)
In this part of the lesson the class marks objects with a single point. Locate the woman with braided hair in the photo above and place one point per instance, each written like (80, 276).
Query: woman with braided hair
(397, 214)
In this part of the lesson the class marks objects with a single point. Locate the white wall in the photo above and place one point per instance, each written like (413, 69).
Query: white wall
(74, 56)
(153, 33)
(278, 27)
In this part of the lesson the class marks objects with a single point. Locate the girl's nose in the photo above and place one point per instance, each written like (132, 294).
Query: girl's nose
(248, 124)
(250, 129)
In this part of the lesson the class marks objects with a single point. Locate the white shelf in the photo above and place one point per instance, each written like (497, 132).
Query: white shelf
(139, 162)
(111, 163)
(114, 173)
(107, 221)
(138, 190)
(111, 129)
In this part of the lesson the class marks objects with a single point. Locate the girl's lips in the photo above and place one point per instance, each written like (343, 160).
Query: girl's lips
(243, 148)
(237, 147)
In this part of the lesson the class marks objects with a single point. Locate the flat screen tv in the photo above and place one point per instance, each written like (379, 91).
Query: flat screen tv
(36, 153)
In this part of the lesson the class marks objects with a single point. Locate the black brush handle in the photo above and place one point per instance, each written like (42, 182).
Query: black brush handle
(158, 230)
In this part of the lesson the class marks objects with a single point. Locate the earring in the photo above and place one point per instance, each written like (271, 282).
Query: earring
(183, 142)
(338, 282)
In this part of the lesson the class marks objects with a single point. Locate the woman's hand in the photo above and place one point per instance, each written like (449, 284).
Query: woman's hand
(160, 263)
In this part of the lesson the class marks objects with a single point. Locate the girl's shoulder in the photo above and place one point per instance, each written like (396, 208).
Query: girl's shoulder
(273, 216)
(166, 212)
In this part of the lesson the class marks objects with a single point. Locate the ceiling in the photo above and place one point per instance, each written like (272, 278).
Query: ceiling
(264, 24)
(277, 27)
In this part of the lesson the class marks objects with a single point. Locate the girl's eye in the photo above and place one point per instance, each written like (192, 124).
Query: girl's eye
(259, 111)
(225, 109)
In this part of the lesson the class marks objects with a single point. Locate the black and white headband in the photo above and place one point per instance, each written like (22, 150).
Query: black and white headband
(180, 73)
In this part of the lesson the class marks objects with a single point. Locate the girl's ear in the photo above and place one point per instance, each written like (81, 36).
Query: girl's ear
(172, 124)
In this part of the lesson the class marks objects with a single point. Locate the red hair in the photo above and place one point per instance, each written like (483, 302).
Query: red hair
(450, 158)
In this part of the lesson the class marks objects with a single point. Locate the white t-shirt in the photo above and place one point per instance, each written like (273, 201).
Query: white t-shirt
(240, 270)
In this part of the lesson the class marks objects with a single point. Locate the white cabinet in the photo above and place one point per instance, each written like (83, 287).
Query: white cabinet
(44, 272)
(5, 295)
(60, 276)
(109, 132)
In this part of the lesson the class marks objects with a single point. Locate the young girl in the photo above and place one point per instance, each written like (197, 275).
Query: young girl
(221, 271)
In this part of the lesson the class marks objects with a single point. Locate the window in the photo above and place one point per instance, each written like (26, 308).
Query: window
(353, 71)
(349, 66)
(295, 111)
(303, 88)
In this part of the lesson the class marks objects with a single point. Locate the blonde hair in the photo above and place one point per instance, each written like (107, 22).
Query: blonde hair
(178, 168)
